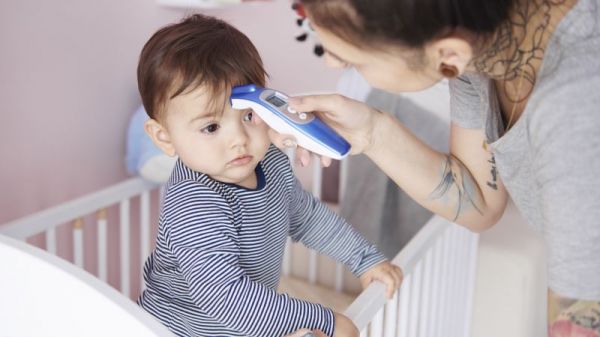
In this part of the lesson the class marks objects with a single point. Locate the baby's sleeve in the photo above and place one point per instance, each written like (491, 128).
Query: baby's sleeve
(319, 228)
(204, 241)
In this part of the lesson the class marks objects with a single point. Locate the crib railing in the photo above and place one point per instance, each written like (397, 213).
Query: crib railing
(435, 298)
(439, 263)
(76, 211)
(93, 208)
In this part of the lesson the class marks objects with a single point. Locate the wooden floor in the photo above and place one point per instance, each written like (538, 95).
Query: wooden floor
(315, 293)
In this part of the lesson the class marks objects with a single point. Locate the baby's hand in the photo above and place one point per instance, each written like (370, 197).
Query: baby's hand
(385, 272)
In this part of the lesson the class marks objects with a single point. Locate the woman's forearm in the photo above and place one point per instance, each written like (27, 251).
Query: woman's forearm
(440, 182)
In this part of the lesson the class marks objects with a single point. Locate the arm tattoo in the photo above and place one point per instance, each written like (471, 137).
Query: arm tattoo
(575, 318)
(494, 183)
(506, 51)
(457, 186)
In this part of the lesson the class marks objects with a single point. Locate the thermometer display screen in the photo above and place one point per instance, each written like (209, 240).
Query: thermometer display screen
(276, 101)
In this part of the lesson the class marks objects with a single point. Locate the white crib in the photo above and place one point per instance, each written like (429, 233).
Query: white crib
(435, 298)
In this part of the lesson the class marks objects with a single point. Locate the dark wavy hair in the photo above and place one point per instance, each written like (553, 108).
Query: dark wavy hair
(198, 51)
(411, 23)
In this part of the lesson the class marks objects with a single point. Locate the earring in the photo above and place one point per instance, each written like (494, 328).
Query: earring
(448, 71)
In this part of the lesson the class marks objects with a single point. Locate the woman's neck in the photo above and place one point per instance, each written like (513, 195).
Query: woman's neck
(515, 52)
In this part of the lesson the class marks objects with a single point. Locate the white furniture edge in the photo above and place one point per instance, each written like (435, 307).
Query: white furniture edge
(144, 320)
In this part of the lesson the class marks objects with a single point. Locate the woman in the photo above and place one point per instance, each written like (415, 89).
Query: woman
(524, 78)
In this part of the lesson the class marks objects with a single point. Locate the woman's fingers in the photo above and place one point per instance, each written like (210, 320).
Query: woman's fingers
(326, 161)
(327, 106)
(323, 103)
(304, 157)
(353, 120)
(282, 141)
(306, 333)
(299, 333)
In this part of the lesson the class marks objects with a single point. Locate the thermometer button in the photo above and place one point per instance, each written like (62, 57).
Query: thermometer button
(303, 116)
(290, 110)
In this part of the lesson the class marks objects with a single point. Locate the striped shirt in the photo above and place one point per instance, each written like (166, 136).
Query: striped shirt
(219, 251)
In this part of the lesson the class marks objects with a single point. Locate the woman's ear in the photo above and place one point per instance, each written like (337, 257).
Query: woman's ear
(160, 136)
(451, 52)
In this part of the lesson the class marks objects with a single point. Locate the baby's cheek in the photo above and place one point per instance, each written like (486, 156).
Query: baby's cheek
(258, 134)
(260, 131)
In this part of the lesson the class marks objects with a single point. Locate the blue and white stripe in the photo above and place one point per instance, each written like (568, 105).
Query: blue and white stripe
(220, 247)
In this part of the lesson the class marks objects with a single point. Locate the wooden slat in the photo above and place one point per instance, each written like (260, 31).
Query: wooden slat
(124, 224)
(473, 243)
(390, 318)
(51, 241)
(376, 326)
(403, 306)
(373, 298)
(424, 318)
(101, 222)
(144, 232)
(40, 222)
(415, 300)
(78, 242)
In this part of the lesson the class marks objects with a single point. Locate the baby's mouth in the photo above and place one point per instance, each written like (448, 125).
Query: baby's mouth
(241, 160)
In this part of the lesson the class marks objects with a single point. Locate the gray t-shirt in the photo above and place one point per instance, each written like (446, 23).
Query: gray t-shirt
(549, 160)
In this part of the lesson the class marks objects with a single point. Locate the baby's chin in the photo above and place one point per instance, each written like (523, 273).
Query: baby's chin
(236, 175)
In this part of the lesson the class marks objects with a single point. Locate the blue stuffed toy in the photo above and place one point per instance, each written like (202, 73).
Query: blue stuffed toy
(142, 156)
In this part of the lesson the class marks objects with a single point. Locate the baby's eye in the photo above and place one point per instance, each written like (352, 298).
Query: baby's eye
(248, 116)
(210, 129)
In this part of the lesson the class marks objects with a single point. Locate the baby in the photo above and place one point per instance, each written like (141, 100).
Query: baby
(232, 199)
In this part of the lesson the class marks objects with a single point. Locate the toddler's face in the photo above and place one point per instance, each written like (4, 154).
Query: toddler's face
(227, 145)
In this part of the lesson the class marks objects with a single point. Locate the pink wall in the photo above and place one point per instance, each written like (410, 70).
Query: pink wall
(68, 87)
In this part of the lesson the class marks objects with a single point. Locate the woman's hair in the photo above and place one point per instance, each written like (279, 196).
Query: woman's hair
(198, 51)
(410, 23)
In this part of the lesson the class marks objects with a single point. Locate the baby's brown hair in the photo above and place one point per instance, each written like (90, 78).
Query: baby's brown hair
(198, 51)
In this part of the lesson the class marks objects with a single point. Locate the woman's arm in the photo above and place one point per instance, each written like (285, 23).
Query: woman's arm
(462, 186)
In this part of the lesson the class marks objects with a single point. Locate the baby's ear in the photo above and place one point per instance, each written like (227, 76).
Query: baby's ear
(160, 136)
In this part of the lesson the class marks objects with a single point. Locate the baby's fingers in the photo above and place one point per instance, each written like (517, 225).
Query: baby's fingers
(390, 283)
(392, 280)
(398, 275)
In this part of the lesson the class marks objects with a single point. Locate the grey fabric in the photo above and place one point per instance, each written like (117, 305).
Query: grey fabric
(372, 202)
(549, 160)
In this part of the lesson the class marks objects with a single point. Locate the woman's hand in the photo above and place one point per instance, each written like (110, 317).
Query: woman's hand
(306, 333)
(353, 120)
(343, 327)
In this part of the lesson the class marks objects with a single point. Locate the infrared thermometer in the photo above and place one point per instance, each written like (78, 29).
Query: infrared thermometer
(272, 107)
